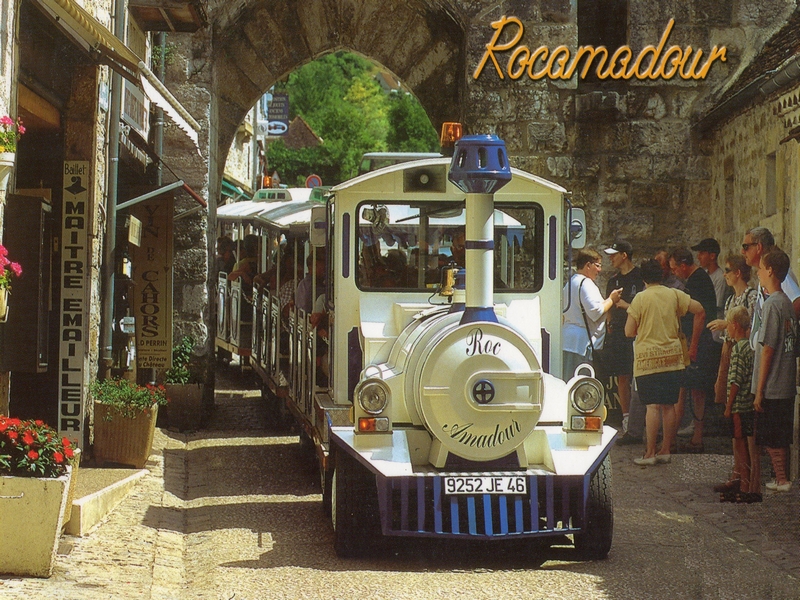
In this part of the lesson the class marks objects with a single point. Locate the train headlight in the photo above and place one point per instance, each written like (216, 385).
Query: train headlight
(587, 396)
(373, 396)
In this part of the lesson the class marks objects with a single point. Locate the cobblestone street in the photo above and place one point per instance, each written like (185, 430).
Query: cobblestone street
(233, 511)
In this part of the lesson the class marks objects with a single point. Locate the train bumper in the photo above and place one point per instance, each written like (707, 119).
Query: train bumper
(413, 500)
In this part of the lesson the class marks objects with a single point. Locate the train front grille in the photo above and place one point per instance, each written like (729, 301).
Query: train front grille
(418, 506)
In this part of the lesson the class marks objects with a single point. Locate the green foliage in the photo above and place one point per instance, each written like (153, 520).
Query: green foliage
(181, 356)
(410, 130)
(340, 99)
(127, 397)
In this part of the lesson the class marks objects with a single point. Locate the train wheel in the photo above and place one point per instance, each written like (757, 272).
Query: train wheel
(326, 482)
(595, 542)
(354, 508)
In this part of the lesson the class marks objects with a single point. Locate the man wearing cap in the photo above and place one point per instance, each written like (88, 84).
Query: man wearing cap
(618, 349)
(707, 254)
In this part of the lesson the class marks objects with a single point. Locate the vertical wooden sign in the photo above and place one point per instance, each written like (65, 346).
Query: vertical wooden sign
(152, 290)
(73, 314)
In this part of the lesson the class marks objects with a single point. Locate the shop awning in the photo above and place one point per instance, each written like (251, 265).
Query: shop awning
(230, 190)
(89, 34)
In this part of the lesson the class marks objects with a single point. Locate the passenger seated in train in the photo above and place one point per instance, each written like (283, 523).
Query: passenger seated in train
(303, 297)
(247, 268)
(226, 257)
(390, 271)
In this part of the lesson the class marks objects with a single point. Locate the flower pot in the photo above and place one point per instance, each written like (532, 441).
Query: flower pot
(75, 463)
(7, 161)
(31, 514)
(185, 408)
(3, 304)
(123, 440)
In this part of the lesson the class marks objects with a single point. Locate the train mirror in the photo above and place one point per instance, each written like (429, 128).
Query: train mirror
(577, 228)
(318, 226)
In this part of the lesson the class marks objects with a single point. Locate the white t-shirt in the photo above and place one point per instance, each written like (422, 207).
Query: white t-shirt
(574, 335)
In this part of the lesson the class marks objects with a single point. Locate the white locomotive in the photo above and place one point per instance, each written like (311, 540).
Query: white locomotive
(432, 408)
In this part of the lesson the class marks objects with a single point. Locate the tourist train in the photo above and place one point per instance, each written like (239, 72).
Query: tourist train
(424, 370)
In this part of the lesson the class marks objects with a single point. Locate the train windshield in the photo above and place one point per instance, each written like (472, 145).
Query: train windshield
(403, 247)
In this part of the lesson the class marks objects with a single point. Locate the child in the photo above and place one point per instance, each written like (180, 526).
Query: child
(739, 409)
(775, 368)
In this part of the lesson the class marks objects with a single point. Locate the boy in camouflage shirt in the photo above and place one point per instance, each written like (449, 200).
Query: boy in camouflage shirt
(741, 412)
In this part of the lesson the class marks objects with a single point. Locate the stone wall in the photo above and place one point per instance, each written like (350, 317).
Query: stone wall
(739, 166)
(627, 150)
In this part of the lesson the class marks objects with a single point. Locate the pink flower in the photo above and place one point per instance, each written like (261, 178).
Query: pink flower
(20, 128)
(17, 268)
(3, 250)
(6, 120)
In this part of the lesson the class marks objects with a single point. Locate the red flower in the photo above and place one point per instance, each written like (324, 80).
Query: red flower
(13, 435)
(27, 438)
(66, 442)
(3, 424)
(69, 452)
(39, 422)
(58, 457)
(33, 454)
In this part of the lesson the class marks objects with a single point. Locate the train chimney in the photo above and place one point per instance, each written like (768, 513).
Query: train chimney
(480, 168)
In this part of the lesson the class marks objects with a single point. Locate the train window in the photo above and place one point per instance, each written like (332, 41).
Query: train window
(402, 247)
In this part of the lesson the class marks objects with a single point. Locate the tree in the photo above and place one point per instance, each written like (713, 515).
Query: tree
(339, 98)
(410, 129)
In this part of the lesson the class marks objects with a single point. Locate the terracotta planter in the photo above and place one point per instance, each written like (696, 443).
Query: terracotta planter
(123, 440)
(185, 407)
(31, 515)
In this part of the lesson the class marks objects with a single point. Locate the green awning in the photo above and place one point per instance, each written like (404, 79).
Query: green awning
(230, 190)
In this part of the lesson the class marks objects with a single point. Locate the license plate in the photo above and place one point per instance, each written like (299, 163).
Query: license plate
(503, 484)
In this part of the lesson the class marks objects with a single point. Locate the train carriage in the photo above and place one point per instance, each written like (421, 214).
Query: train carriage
(430, 395)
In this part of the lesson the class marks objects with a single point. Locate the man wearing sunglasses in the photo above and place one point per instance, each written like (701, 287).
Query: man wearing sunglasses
(757, 242)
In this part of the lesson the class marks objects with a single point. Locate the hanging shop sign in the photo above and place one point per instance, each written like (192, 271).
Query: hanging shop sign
(151, 298)
(652, 62)
(73, 314)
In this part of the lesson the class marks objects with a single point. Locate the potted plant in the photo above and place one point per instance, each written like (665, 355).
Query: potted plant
(10, 132)
(8, 269)
(124, 420)
(184, 390)
(34, 483)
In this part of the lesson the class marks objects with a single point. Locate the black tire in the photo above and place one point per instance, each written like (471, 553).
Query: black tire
(326, 482)
(595, 541)
(354, 509)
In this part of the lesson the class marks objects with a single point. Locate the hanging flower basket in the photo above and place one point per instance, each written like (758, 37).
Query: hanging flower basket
(8, 270)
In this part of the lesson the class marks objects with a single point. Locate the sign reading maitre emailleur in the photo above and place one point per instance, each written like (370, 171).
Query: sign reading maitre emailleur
(74, 285)
(651, 63)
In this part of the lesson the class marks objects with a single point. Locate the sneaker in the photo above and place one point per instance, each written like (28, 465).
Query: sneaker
(628, 439)
(646, 462)
(779, 487)
(624, 423)
(687, 431)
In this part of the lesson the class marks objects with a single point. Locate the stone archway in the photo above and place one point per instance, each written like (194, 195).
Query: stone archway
(419, 42)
